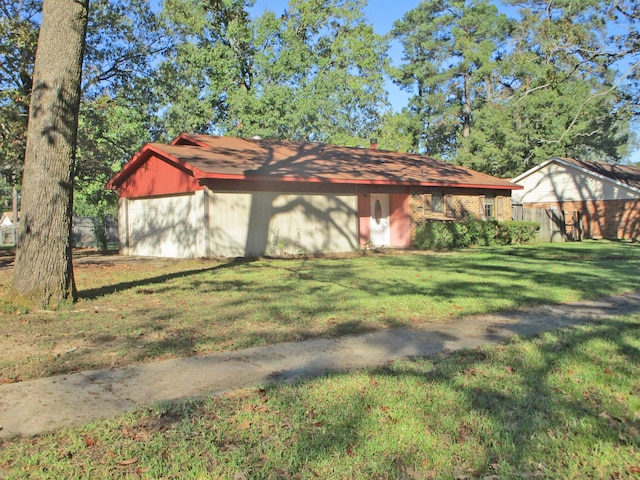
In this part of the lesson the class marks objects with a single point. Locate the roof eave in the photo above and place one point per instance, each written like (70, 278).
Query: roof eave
(354, 181)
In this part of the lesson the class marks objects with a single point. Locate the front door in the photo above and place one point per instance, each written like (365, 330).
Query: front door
(380, 225)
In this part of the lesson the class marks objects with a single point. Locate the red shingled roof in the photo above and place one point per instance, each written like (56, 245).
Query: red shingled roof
(207, 156)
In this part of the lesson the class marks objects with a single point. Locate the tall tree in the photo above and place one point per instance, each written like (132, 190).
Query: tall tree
(558, 93)
(317, 75)
(313, 73)
(124, 43)
(451, 50)
(44, 272)
(209, 59)
(501, 97)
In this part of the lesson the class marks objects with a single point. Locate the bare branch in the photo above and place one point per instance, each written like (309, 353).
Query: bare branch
(591, 98)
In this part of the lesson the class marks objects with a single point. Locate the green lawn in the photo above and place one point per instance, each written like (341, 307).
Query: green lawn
(132, 311)
(562, 405)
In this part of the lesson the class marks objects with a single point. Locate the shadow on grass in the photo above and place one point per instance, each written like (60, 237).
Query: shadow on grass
(516, 410)
(530, 417)
(93, 293)
(286, 293)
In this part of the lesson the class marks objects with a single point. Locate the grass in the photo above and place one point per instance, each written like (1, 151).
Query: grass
(562, 405)
(137, 311)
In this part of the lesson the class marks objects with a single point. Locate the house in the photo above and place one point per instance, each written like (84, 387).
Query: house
(594, 199)
(7, 219)
(203, 196)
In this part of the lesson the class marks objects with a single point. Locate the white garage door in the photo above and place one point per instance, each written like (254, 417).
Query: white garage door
(163, 226)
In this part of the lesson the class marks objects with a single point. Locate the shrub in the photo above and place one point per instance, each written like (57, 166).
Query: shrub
(518, 231)
(469, 231)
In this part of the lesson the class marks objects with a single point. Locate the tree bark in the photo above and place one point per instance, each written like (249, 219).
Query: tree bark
(466, 112)
(43, 273)
(14, 201)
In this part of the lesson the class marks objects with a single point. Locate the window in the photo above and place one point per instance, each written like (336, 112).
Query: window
(437, 203)
(489, 206)
(378, 212)
(448, 203)
(499, 209)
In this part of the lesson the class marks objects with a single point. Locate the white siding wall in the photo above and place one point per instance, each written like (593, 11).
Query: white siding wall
(164, 226)
(208, 223)
(252, 224)
(559, 183)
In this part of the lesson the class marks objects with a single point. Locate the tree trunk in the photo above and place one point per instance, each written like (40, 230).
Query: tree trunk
(43, 273)
(466, 113)
(14, 201)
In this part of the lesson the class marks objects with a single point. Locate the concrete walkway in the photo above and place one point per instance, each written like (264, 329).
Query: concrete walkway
(37, 406)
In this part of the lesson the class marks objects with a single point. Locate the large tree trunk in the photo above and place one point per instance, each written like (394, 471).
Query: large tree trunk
(43, 273)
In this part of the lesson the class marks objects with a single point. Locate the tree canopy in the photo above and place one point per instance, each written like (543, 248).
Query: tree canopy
(314, 73)
(492, 91)
(501, 94)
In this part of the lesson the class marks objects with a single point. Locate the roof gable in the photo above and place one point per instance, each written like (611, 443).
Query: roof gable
(625, 176)
(206, 156)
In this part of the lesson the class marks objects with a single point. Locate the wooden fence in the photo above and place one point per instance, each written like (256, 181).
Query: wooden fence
(555, 226)
(89, 232)
(8, 235)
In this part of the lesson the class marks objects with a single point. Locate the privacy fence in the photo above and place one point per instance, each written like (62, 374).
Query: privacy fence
(87, 233)
(555, 226)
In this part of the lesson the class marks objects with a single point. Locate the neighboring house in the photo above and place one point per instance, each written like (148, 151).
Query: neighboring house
(7, 219)
(595, 200)
(204, 196)
(8, 229)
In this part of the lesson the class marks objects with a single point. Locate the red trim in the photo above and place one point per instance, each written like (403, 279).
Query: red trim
(263, 178)
(143, 156)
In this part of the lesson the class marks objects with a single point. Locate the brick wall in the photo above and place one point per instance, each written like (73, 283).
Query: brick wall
(611, 219)
(454, 206)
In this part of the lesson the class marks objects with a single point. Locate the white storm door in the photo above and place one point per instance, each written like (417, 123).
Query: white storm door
(380, 225)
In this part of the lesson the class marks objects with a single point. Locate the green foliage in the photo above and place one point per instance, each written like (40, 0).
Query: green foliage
(115, 113)
(18, 38)
(451, 49)
(468, 232)
(314, 73)
(556, 91)
(517, 232)
(399, 132)
(560, 100)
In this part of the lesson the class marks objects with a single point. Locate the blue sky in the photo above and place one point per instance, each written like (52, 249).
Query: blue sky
(382, 14)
